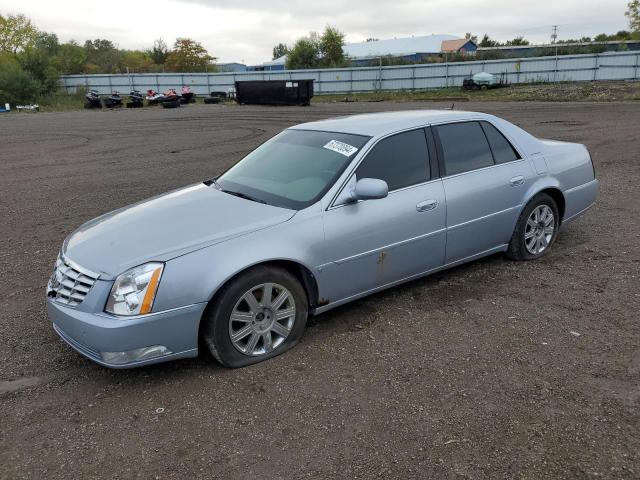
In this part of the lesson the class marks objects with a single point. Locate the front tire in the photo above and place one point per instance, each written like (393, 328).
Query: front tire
(536, 230)
(257, 315)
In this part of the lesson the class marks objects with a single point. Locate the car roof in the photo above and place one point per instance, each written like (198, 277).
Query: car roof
(375, 124)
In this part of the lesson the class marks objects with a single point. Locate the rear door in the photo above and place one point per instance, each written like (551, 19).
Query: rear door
(376, 242)
(484, 180)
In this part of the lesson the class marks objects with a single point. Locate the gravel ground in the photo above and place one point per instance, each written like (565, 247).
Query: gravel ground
(494, 369)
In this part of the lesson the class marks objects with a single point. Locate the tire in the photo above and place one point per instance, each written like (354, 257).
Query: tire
(271, 340)
(531, 240)
(171, 104)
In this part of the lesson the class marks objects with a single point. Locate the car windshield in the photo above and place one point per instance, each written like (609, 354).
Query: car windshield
(293, 169)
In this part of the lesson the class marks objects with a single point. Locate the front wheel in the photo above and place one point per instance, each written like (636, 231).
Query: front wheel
(259, 314)
(536, 230)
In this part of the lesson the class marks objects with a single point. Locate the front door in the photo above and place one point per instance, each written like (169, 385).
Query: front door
(369, 244)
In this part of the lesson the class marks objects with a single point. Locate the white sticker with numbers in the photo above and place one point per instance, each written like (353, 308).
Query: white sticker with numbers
(341, 148)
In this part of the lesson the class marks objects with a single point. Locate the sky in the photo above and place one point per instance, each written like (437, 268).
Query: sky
(246, 30)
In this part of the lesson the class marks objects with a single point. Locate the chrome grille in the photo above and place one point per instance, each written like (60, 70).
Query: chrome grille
(70, 283)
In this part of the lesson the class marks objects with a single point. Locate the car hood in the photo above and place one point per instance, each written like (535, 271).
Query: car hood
(166, 226)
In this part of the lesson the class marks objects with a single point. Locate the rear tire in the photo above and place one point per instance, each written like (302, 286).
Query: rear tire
(262, 330)
(536, 230)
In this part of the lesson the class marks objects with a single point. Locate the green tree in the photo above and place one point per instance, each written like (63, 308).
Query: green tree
(16, 85)
(331, 48)
(518, 41)
(16, 33)
(280, 50)
(137, 61)
(70, 59)
(633, 13)
(38, 63)
(102, 57)
(486, 42)
(159, 52)
(603, 37)
(190, 56)
(305, 53)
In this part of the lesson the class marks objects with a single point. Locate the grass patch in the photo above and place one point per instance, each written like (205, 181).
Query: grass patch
(550, 92)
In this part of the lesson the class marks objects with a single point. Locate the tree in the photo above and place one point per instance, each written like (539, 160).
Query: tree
(16, 85)
(486, 42)
(633, 13)
(16, 33)
(470, 36)
(189, 56)
(137, 61)
(280, 50)
(517, 42)
(330, 46)
(305, 53)
(38, 63)
(159, 52)
(71, 59)
(102, 57)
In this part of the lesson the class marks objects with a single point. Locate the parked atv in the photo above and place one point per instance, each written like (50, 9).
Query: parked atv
(92, 99)
(136, 99)
(113, 101)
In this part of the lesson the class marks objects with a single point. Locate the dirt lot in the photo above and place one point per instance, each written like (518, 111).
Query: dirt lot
(491, 370)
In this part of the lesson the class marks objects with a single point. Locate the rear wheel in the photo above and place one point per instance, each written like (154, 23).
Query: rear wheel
(259, 314)
(536, 230)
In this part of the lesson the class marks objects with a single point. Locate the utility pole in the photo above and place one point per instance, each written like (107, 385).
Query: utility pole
(554, 39)
(554, 34)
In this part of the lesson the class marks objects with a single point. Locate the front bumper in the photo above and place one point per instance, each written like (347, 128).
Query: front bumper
(91, 334)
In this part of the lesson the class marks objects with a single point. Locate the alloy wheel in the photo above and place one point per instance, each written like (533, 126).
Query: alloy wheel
(262, 319)
(539, 229)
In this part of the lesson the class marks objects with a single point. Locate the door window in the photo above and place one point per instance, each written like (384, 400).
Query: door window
(464, 147)
(400, 160)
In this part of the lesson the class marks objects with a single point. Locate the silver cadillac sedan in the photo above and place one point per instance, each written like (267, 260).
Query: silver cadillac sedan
(321, 214)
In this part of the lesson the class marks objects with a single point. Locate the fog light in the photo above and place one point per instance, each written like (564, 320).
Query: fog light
(144, 353)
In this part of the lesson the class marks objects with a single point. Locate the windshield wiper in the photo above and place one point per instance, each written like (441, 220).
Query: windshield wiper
(215, 183)
(242, 195)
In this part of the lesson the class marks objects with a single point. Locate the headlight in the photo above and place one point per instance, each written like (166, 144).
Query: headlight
(133, 292)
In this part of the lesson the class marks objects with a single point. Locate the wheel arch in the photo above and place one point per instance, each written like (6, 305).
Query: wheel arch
(300, 271)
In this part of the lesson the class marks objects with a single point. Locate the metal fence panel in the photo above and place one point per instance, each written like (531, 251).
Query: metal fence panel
(605, 66)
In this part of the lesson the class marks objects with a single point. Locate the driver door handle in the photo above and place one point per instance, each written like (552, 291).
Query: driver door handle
(426, 205)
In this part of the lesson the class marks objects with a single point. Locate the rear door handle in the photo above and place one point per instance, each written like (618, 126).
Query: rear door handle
(517, 181)
(426, 205)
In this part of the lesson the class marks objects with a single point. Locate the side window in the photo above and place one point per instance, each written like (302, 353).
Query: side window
(401, 160)
(502, 150)
(464, 147)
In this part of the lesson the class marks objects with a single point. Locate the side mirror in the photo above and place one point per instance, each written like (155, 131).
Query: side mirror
(370, 189)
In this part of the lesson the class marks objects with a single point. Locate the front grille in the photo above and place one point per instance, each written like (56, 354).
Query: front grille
(70, 283)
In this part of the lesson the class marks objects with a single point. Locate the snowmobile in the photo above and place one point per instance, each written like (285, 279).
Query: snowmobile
(113, 101)
(153, 97)
(136, 99)
(187, 95)
(170, 99)
(92, 99)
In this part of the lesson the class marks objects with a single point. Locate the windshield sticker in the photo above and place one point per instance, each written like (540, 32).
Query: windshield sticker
(341, 148)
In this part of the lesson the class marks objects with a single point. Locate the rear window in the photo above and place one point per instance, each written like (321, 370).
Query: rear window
(502, 150)
(464, 147)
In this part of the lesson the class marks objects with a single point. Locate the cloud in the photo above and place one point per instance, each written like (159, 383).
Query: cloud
(246, 30)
